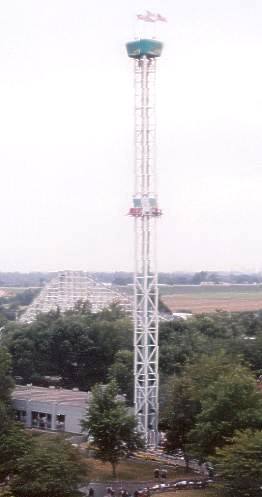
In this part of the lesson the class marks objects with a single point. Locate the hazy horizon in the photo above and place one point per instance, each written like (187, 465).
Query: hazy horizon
(66, 135)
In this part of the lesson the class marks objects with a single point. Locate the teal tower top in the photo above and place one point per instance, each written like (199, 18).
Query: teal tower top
(144, 47)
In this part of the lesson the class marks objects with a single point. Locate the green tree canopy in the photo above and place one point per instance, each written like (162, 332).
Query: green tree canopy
(231, 402)
(81, 347)
(179, 415)
(239, 464)
(122, 372)
(6, 385)
(77, 346)
(52, 468)
(112, 428)
(236, 333)
(215, 396)
(6, 382)
(14, 444)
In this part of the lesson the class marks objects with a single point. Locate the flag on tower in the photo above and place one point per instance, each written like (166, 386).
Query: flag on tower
(161, 18)
(151, 17)
(145, 17)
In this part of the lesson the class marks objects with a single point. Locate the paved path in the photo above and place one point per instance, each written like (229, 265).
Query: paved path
(101, 488)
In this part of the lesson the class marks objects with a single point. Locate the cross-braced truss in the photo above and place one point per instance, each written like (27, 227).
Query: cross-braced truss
(145, 212)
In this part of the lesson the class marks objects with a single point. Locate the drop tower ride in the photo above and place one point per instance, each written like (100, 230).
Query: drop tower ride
(145, 212)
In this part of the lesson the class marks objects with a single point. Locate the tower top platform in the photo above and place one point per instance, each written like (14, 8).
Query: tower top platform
(144, 47)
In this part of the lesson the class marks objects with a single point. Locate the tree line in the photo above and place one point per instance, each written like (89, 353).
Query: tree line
(29, 468)
(38, 279)
(51, 467)
(210, 377)
(212, 398)
(82, 349)
(78, 348)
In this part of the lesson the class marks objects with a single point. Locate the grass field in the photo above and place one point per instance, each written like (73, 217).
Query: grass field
(131, 469)
(198, 299)
(128, 469)
(191, 493)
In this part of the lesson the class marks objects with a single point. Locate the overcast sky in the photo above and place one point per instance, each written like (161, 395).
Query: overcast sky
(66, 134)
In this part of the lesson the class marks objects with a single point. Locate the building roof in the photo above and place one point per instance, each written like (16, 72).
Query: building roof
(56, 395)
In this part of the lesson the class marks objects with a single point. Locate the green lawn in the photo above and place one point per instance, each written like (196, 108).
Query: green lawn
(130, 469)
(191, 493)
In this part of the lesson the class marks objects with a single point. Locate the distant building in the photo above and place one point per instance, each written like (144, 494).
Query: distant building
(55, 409)
(182, 315)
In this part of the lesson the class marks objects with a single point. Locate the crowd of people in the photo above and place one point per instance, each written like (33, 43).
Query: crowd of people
(145, 492)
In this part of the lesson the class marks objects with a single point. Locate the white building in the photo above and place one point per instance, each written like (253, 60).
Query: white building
(50, 408)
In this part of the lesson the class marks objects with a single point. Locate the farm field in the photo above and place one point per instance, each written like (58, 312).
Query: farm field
(210, 298)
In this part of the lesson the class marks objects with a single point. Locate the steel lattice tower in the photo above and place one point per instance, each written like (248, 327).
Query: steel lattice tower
(145, 212)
